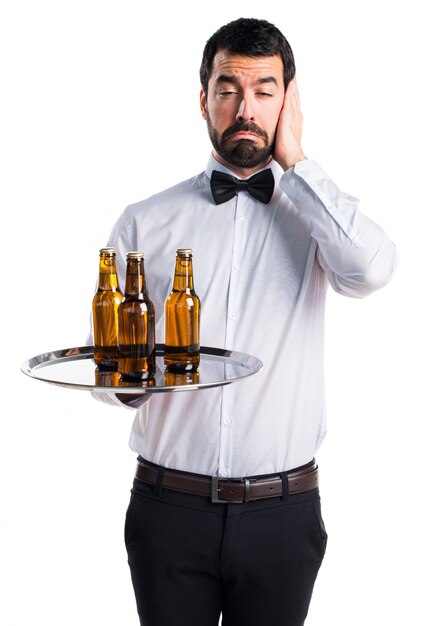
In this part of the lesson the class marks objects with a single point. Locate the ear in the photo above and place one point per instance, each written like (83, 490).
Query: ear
(203, 104)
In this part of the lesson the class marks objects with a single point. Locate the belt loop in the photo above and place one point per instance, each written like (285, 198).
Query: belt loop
(159, 480)
(247, 490)
(285, 486)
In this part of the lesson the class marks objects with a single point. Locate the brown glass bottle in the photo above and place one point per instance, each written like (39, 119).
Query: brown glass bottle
(105, 312)
(182, 318)
(136, 324)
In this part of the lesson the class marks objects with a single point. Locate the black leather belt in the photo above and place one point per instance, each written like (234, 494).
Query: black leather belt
(230, 489)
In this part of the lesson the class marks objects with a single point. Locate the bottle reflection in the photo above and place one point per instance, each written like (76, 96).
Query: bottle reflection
(104, 378)
(137, 382)
(172, 379)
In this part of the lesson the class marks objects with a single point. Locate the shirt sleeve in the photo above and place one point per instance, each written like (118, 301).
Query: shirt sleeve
(355, 253)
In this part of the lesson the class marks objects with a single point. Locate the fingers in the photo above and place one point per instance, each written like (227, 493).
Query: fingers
(291, 103)
(292, 94)
(288, 137)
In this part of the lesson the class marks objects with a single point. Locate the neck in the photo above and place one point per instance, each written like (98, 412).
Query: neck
(183, 279)
(135, 281)
(107, 278)
(241, 172)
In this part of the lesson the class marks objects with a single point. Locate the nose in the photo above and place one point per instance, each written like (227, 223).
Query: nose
(245, 112)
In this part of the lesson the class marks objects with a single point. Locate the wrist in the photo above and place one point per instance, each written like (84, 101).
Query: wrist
(288, 161)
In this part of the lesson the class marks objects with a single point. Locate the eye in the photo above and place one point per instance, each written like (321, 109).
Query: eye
(264, 93)
(227, 92)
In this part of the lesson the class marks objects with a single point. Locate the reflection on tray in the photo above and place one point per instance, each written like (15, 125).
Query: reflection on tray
(188, 378)
(143, 384)
(113, 379)
(106, 379)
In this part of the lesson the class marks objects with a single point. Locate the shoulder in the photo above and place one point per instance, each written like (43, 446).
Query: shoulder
(158, 211)
(189, 189)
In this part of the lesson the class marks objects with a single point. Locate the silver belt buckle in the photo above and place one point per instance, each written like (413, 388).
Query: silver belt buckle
(215, 491)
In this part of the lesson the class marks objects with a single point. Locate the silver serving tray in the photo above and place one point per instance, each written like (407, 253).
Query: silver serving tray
(75, 368)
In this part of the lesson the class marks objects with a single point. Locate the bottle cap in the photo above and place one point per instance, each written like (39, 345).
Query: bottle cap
(107, 251)
(184, 251)
(135, 255)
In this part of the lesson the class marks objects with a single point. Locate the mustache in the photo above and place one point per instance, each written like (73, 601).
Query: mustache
(244, 127)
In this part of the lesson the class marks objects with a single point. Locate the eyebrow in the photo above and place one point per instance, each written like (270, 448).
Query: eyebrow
(267, 79)
(223, 78)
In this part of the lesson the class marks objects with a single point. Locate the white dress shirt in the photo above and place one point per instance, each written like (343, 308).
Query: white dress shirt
(261, 272)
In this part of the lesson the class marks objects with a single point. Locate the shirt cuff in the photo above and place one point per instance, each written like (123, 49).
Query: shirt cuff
(110, 398)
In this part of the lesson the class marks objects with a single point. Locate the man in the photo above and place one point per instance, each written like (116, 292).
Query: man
(224, 517)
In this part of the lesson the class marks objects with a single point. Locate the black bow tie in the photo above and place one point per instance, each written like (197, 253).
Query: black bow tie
(260, 186)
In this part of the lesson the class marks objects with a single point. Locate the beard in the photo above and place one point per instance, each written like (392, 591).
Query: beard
(244, 153)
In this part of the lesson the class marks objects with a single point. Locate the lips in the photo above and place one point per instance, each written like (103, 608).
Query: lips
(244, 135)
(244, 131)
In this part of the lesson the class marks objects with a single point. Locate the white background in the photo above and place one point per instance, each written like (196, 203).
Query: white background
(100, 109)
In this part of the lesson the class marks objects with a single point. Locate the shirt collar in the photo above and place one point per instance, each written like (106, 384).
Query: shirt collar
(213, 164)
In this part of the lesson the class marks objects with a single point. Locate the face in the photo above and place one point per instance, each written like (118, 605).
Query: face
(242, 107)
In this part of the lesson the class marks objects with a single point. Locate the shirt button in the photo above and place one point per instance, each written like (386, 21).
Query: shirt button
(233, 316)
(236, 267)
(224, 472)
(241, 218)
(227, 421)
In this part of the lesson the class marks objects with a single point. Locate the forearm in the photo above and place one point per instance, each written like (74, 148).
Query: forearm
(355, 253)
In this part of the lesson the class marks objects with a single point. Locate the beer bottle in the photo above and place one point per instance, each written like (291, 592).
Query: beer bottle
(182, 318)
(105, 312)
(136, 324)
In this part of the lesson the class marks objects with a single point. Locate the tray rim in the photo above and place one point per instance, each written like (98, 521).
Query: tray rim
(251, 363)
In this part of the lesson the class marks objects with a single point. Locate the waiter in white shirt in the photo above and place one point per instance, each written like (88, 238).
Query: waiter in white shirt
(224, 517)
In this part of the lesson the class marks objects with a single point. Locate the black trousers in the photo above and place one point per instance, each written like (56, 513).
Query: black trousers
(192, 560)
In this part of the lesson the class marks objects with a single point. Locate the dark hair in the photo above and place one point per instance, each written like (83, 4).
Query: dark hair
(248, 37)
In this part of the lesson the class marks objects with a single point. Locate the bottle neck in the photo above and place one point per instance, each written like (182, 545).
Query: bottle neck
(135, 278)
(183, 279)
(107, 276)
